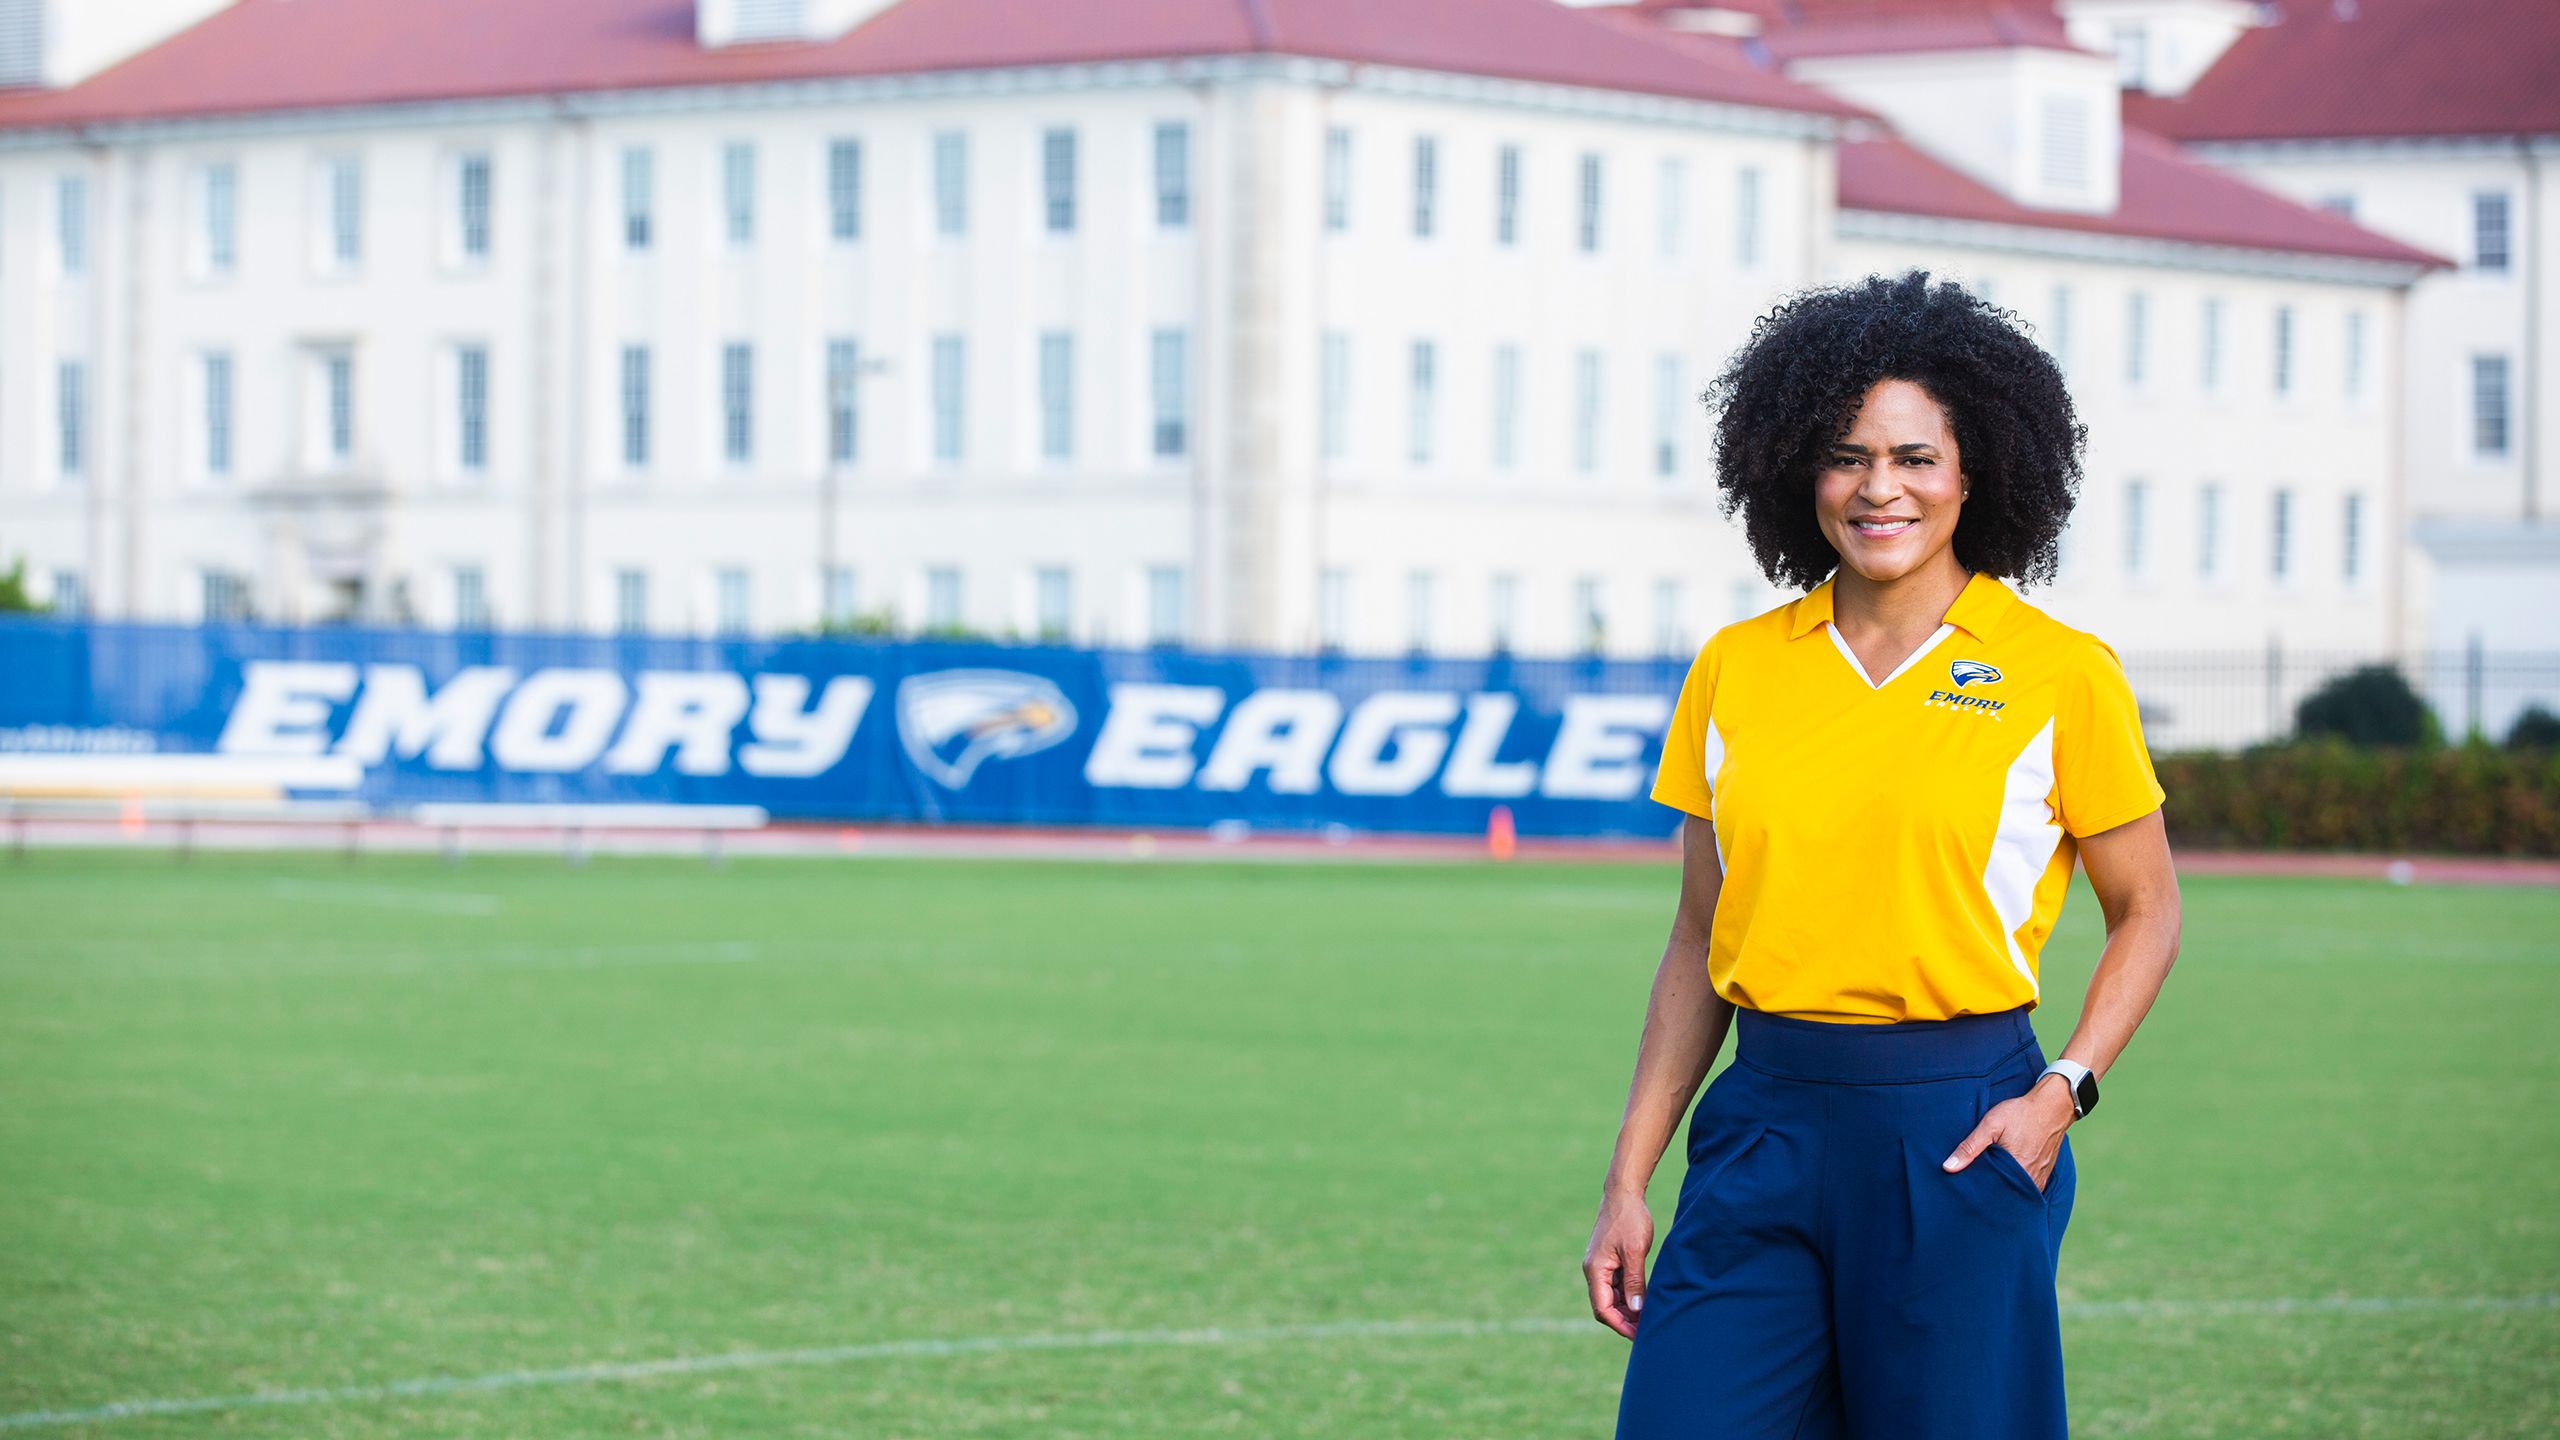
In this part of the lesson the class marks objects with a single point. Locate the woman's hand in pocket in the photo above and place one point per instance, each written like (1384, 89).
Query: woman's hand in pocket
(2028, 1126)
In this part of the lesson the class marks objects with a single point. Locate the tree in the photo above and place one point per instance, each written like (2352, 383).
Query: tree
(2369, 705)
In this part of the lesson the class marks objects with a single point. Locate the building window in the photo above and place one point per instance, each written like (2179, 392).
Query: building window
(2489, 406)
(1506, 182)
(1164, 605)
(70, 594)
(2490, 231)
(1426, 186)
(217, 414)
(2137, 338)
(1173, 175)
(2060, 339)
(738, 193)
(1590, 615)
(2351, 539)
(2209, 340)
(1170, 361)
(2133, 56)
(1670, 632)
(2136, 528)
(732, 600)
(471, 206)
(333, 440)
(1058, 180)
(1674, 206)
(470, 598)
(1502, 613)
(2064, 161)
(225, 598)
(71, 224)
(1053, 602)
(635, 406)
(2284, 351)
(1669, 404)
(639, 196)
(1588, 235)
(737, 402)
(1746, 216)
(342, 185)
(1425, 399)
(942, 598)
(950, 398)
(631, 601)
(471, 408)
(1057, 396)
(2280, 535)
(844, 189)
(951, 183)
(2355, 355)
(844, 382)
(1334, 383)
(71, 418)
(1417, 611)
(1333, 607)
(838, 595)
(2209, 532)
(1586, 411)
(219, 198)
(1506, 407)
(1337, 179)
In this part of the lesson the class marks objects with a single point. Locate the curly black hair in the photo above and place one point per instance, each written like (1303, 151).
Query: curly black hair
(1794, 388)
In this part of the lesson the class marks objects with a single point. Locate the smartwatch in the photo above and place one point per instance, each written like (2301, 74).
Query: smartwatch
(2084, 1085)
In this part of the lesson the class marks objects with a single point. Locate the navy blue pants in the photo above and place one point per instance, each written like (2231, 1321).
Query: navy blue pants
(1824, 1278)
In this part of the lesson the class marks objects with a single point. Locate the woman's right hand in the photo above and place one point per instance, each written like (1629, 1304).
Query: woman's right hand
(1614, 1264)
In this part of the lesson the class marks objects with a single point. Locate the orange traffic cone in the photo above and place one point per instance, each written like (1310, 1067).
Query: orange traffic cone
(1500, 839)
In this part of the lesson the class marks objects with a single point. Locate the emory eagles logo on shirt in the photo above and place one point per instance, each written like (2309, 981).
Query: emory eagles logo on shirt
(1964, 673)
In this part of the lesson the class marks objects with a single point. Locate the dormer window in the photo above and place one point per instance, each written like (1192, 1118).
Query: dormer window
(769, 20)
(759, 22)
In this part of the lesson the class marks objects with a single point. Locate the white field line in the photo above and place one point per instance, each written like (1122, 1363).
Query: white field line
(270, 963)
(387, 897)
(1136, 1339)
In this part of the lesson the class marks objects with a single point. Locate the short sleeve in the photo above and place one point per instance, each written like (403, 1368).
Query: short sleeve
(2102, 766)
(1682, 781)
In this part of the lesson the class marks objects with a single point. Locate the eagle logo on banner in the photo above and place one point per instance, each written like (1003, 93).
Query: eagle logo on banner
(953, 721)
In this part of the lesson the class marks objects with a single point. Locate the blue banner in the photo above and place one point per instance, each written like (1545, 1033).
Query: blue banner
(870, 730)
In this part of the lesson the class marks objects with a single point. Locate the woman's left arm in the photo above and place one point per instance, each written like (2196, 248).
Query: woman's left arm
(2137, 889)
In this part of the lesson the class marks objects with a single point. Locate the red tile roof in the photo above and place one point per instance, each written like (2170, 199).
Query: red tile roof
(275, 55)
(2165, 195)
(1897, 30)
(2372, 68)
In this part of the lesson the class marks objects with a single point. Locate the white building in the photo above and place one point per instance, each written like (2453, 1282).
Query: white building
(2445, 135)
(1374, 324)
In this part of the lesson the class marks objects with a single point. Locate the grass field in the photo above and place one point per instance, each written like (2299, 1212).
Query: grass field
(291, 1123)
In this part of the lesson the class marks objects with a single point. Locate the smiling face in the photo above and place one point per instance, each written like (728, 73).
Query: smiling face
(1888, 493)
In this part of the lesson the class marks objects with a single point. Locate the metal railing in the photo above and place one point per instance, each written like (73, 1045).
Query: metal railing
(2225, 698)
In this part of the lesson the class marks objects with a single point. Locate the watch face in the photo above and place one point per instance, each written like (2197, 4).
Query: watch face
(2085, 1094)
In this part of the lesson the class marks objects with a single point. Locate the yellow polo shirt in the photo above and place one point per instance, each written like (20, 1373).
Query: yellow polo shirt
(1900, 850)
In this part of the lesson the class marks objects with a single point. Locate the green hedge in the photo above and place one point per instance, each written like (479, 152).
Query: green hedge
(2325, 794)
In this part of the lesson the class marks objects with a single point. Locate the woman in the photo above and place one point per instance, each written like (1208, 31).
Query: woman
(1887, 782)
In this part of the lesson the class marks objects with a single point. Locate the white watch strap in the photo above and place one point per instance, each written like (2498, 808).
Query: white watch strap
(2071, 1071)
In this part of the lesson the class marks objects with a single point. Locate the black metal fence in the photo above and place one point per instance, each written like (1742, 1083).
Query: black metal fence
(2221, 699)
